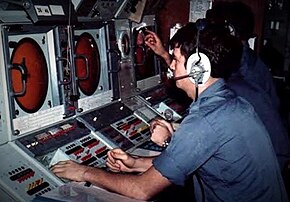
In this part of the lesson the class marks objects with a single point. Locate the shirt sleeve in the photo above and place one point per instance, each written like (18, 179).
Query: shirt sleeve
(192, 145)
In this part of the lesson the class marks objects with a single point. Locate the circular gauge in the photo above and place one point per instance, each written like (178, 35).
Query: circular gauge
(124, 44)
(28, 55)
(88, 64)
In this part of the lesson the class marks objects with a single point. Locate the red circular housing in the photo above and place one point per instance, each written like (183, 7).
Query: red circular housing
(30, 57)
(88, 66)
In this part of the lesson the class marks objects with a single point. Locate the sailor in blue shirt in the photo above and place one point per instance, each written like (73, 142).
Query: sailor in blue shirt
(267, 113)
(222, 142)
(256, 73)
(253, 80)
(223, 145)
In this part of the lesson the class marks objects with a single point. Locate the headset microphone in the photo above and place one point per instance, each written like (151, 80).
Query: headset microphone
(181, 77)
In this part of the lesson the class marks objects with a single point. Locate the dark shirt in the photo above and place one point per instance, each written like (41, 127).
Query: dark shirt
(256, 73)
(225, 144)
(268, 115)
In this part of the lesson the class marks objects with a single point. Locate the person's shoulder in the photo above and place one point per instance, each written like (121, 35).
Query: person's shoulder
(216, 99)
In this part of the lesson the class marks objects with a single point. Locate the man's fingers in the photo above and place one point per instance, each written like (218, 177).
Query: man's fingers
(113, 167)
(119, 155)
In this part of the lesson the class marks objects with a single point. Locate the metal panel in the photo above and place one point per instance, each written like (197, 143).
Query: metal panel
(103, 93)
(52, 110)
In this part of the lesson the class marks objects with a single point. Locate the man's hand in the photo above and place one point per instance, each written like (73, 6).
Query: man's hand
(155, 44)
(70, 170)
(118, 160)
(161, 131)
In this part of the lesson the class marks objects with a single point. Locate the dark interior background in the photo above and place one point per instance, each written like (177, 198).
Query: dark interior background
(271, 29)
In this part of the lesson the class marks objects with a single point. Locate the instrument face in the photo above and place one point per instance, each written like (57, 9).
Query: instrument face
(29, 57)
(124, 44)
(92, 76)
(88, 67)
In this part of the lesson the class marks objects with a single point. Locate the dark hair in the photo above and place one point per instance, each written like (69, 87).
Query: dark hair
(235, 14)
(223, 50)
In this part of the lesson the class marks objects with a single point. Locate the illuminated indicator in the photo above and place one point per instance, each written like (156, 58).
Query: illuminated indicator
(145, 127)
(37, 188)
(79, 151)
(33, 144)
(65, 126)
(133, 133)
(86, 157)
(125, 127)
(54, 131)
(101, 149)
(75, 150)
(91, 143)
(35, 184)
(103, 153)
(121, 126)
(135, 136)
(139, 122)
(43, 137)
(23, 175)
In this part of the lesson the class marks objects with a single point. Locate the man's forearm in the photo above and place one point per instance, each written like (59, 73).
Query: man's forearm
(143, 186)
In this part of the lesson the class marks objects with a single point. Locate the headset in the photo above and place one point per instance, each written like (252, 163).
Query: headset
(198, 68)
(198, 64)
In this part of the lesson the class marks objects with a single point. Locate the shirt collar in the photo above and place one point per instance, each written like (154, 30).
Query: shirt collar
(210, 91)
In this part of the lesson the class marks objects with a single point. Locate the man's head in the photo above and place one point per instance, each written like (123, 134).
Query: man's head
(222, 49)
(237, 16)
(215, 41)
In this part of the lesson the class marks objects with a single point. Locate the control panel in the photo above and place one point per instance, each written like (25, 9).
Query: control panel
(88, 150)
(68, 140)
(122, 129)
(23, 176)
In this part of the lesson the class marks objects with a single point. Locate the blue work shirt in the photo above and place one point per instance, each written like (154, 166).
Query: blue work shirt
(268, 115)
(255, 72)
(225, 144)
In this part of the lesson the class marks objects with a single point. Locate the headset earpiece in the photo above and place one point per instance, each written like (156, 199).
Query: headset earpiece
(198, 68)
